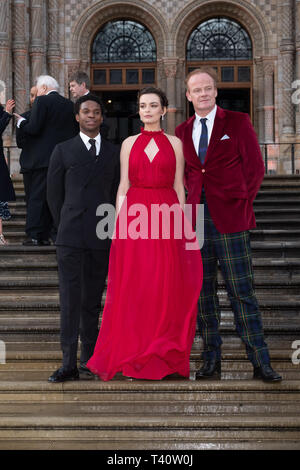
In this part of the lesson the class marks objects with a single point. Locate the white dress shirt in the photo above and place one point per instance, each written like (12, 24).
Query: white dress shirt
(86, 139)
(197, 128)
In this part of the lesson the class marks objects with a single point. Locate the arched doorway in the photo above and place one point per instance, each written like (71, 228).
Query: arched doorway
(226, 46)
(123, 56)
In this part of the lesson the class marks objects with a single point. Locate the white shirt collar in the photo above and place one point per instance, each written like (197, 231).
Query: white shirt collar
(86, 139)
(210, 116)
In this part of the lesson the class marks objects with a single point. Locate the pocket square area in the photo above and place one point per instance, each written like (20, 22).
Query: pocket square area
(225, 137)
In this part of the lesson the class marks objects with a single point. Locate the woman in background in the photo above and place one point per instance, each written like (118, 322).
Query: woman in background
(7, 192)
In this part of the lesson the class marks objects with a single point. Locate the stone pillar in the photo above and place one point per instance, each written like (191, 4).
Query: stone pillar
(36, 49)
(53, 50)
(180, 97)
(4, 49)
(260, 99)
(19, 54)
(170, 69)
(268, 69)
(297, 77)
(287, 63)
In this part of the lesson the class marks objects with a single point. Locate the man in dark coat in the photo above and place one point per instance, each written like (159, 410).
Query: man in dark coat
(51, 121)
(83, 174)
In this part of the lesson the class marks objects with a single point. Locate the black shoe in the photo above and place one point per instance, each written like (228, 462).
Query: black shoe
(266, 373)
(210, 368)
(44, 242)
(62, 375)
(84, 372)
(30, 242)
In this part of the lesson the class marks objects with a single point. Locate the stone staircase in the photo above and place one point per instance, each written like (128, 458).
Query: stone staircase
(236, 412)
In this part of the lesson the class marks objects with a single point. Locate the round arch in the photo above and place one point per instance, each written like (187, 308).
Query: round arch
(95, 16)
(247, 15)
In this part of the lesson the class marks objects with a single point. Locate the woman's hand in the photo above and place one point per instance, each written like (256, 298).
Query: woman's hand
(10, 104)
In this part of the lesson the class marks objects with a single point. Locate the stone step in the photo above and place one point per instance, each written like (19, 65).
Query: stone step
(275, 235)
(171, 432)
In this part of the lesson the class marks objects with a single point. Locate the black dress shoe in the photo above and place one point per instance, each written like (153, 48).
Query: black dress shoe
(44, 242)
(84, 372)
(266, 373)
(62, 375)
(210, 368)
(30, 242)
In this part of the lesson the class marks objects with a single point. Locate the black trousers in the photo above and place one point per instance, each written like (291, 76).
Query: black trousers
(38, 218)
(82, 276)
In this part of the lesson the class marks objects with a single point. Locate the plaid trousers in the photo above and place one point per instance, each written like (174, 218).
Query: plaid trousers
(233, 253)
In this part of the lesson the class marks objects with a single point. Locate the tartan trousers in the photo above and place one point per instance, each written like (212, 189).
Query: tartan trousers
(232, 252)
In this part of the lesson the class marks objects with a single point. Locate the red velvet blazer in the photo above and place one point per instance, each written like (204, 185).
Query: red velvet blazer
(232, 172)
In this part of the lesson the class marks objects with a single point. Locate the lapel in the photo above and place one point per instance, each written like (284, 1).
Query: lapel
(95, 168)
(188, 139)
(217, 132)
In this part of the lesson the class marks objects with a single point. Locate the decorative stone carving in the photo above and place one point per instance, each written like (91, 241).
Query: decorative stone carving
(53, 49)
(19, 55)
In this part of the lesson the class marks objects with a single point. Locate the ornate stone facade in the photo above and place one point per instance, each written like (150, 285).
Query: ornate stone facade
(55, 37)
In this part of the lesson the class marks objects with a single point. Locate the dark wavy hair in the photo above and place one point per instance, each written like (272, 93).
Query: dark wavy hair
(156, 91)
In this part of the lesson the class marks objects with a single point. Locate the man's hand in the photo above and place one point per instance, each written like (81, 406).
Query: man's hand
(17, 116)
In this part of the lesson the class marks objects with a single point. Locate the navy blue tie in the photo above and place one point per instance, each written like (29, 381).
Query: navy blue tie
(203, 142)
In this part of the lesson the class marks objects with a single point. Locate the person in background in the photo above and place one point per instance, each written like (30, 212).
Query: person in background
(25, 142)
(80, 84)
(7, 192)
(51, 121)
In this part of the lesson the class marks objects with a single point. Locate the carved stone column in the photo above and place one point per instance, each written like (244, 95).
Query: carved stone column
(180, 98)
(170, 69)
(19, 54)
(53, 50)
(287, 64)
(4, 47)
(36, 49)
(268, 69)
(297, 77)
(259, 91)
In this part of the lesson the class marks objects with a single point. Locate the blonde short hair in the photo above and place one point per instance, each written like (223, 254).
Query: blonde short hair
(204, 69)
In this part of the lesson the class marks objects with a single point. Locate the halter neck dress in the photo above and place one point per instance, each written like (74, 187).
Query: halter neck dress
(154, 280)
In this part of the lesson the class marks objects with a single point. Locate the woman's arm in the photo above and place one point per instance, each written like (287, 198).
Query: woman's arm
(179, 174)
(124, 178)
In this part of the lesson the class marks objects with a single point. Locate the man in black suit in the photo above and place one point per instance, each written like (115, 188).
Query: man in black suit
(24, 142)
(51, 121)
(84, 173)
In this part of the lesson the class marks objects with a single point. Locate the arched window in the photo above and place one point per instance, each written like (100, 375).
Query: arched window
(226, 46)
(123, 53)
(123, 41)
(219, 39)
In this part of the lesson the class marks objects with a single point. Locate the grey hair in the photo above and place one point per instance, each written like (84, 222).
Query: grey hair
(47, 80)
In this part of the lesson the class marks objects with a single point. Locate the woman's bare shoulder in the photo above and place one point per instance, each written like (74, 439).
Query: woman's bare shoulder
(176, 143)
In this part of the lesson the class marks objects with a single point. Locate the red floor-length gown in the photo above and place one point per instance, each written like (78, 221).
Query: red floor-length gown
(154, 282)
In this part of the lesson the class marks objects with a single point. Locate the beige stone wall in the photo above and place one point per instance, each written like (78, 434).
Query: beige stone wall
(55, 36)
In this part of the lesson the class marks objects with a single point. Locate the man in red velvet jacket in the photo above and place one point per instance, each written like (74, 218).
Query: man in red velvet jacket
(224, 170)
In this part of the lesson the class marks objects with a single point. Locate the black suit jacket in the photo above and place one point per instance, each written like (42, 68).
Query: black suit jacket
(7, 192)
(52, 120)
(25, 141)
(76, 186)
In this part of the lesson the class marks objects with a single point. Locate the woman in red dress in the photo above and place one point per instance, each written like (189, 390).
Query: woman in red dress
(155, 278)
